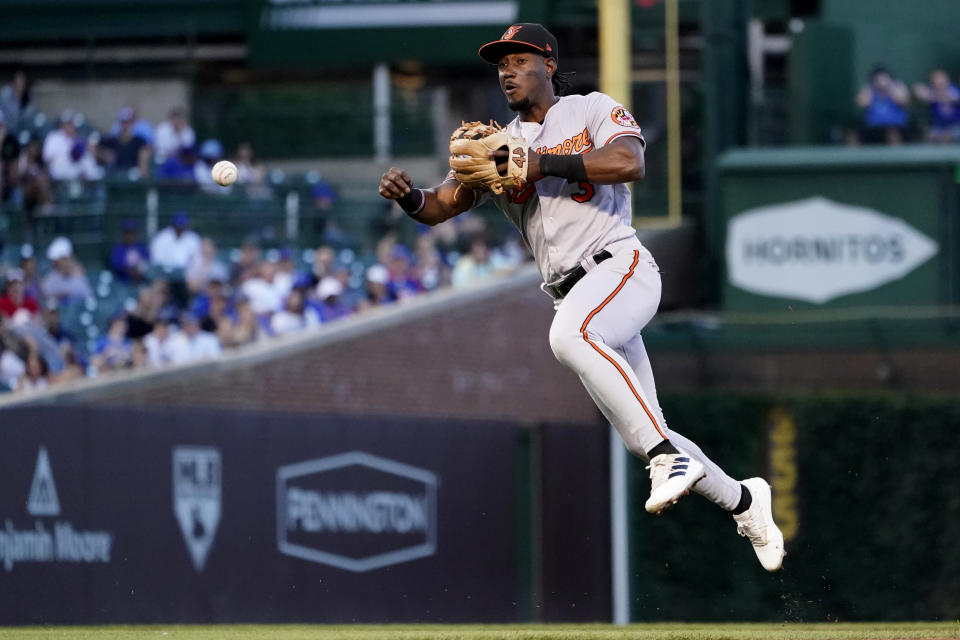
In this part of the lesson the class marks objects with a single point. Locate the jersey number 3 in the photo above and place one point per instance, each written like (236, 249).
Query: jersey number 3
(585, 194)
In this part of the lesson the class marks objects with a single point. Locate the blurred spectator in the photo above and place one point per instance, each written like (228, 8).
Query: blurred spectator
(12, 366)
(67, 156)
(510, 254)
(153, 303)
(191, 342)
(294, 316)
(248, 170)
(113, 350)
(375, 287)
(35, 375)
(58, 142)
(141, 126)
(179, 166)
(129, 258)
(429, 267)
(215, 311)
(139, 357)
(286, 269)
(474, 266)
(267, 290)
(35, 189)
(9, 154)
(15, 99)
(31, 278)
(200, 305)
(205, 267)
(14, 297)
(243, 328)
(247, 264)
(126, 149)
(34, 335)
(173, 134)
(323, 198)
(80, 166)
(176, 246)
(944, 100)
(211, 152)
(53, 326)
(403, 282)
(324, 259)
(66, 280)
(54, 345)
(884, 102)
(156, 343)
(329, 304)
(72, 367)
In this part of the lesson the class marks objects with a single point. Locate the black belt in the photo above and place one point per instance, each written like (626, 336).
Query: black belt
(560, 287)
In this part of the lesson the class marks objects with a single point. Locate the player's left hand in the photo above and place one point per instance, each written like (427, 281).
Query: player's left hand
(475, 153)
(500, 156)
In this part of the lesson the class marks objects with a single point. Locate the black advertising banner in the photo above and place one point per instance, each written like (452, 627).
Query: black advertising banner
(126, 515)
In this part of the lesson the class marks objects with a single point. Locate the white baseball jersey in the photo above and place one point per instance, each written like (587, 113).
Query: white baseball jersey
(596, 330)
(565, 222)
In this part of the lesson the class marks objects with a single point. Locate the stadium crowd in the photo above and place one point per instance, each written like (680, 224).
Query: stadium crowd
(34, 155)
(178, 297)
(180, 302)
(888, 117)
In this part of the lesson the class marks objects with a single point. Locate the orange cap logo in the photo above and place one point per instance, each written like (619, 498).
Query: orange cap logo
(509, 33)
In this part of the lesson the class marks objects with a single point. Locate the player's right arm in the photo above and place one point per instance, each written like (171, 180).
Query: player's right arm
(429, 206)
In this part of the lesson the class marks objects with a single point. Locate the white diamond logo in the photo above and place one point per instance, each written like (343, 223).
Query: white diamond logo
(43, 500)
(818, 250)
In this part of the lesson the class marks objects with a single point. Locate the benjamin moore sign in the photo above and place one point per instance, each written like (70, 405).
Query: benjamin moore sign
(49, 539)
(817, 250)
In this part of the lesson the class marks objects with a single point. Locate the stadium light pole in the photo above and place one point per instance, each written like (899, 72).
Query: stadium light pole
(381, 113)
(671, 38)
(615, 70)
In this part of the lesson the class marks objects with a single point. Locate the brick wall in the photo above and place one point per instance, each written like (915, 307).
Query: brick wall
(486, 358)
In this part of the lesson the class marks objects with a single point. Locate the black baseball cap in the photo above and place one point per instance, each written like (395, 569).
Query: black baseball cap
(522, 36)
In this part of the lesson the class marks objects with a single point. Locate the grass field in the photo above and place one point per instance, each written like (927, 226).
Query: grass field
(792, 631)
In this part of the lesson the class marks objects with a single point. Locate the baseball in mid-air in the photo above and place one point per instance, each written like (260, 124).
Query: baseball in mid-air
(224, 173)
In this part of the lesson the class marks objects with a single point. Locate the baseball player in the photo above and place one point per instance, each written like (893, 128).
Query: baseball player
(572, 206)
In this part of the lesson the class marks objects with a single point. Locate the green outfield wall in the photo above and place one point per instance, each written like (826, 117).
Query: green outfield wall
(866, 491)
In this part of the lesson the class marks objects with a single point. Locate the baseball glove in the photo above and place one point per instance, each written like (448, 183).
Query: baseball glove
(472, 148)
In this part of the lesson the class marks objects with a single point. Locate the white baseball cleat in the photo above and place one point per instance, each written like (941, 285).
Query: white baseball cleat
(757, 525)
(671, 477)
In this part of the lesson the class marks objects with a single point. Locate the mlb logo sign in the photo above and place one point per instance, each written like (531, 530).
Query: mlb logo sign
(197, 473)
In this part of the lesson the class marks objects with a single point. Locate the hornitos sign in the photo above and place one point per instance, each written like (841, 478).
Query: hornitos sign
(356, 511)
(50, 539)
(817, 250)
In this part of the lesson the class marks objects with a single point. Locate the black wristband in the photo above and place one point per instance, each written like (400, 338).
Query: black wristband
(570, 167)
(413, 202)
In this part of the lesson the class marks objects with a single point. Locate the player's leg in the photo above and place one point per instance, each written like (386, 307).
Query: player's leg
(749, 502)
(718, 487)
(601, 313)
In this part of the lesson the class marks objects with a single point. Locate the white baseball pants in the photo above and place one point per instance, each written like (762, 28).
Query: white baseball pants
(596, 333)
